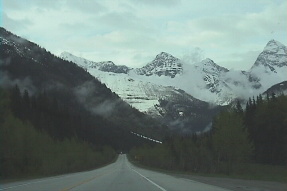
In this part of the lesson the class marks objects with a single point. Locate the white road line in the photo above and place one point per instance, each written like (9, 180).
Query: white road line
(158, 186)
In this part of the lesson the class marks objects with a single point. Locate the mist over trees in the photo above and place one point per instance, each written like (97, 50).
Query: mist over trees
(28, 151)
(40, 135)
(61, 119)
(74, 89)
(59, 103)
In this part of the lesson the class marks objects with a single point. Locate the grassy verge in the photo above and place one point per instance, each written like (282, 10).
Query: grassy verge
(31, 177)
(242, 171)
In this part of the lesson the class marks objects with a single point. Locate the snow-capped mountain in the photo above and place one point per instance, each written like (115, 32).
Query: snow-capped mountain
(211, 74)
(163, 64)
(205, 80)
(271, 65)
(106, 66)
(103, 115)
(273, 55)
(176, 108)
(140, 94)
(167, 77)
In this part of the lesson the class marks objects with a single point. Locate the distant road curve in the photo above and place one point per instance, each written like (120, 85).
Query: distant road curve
(119, 176)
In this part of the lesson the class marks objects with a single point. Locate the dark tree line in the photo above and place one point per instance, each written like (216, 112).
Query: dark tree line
(62, 121)
(40, 135)
(219, 150)
(75, 91)
(186, 114)
(27, 151)
(46, 113)
(238, 137)
(266, 121)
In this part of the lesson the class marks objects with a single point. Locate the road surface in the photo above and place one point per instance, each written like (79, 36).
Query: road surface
(119, 176)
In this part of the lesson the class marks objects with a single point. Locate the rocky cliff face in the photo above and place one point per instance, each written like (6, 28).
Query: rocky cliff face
(163, 64)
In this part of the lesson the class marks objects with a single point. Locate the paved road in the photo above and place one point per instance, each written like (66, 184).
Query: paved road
(119, 176)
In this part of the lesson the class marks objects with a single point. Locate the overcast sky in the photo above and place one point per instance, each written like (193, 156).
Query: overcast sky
(133, 32)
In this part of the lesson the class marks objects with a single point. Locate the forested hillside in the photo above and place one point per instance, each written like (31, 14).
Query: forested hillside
(58, 117)
(256, 135)
(29, 151)
(266, 120)
(48, 82)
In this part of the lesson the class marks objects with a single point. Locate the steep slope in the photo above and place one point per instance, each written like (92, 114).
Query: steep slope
(271, 65)
(211, 74)
(163, 64)
(107, 66)
(137, 93)
(143, 88)
(177, 109)
(277, 89)
(273, 55)
(33, 68)
(203, 80)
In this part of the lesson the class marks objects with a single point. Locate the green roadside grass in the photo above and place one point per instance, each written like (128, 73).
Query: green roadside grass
(247, 171)
(261, 172)
(39, 176)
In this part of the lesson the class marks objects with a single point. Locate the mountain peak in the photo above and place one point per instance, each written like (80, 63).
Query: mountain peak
(210, 66)
(164, 54)
(164, 64)
(105, 66)
(274, 46)
(273, 55)
(208, 62)
(84, 63)
(67, 55)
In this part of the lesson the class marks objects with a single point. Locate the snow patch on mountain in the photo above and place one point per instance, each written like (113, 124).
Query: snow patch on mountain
(205, 80)
(105, 66)
(271, 65)
(141, 95)
(164, 64)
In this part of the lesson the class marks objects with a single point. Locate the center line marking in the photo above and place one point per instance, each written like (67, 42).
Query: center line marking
(83, 182)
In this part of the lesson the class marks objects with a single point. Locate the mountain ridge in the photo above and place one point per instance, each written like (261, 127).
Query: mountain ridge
(210, 82)
(163, 64)
(106, 66)
(104, 114)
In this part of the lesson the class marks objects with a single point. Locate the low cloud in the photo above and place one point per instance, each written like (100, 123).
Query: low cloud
(5, 62)
(24, 84)
(119, 30)
(192, 56)
(15, 24)
(162, 3)
(19, 5)
(105, 108)
(85, 91)
(87, 95)
(243, 60)
(85, 6)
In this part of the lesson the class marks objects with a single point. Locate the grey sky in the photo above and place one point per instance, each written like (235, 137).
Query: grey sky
(133, 32)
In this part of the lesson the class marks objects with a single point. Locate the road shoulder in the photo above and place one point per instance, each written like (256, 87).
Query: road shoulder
(237, 184)
(228, 183)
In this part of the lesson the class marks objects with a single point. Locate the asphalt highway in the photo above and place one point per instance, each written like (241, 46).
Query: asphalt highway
(119, 176)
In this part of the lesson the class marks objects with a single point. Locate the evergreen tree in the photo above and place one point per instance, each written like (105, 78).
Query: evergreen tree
(230, 140)
(238, 108)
